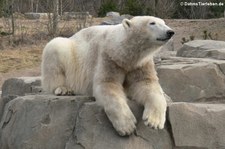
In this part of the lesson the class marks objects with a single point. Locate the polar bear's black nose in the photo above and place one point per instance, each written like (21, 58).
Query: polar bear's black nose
(170, 33)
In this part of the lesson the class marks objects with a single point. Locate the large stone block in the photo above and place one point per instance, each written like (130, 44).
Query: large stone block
(198, 126)
(36, 16)
(15, 87)
(21, 86)
(185, 79)
(45, 122)
(94, 131)
(39, 122)
(203, 49)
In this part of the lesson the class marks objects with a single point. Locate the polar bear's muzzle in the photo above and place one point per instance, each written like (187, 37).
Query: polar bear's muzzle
(169, 34)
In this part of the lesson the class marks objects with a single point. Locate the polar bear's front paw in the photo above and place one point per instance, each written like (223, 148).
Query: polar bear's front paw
(155, 115)
(125, 125)
(123, 122)
(60, 91)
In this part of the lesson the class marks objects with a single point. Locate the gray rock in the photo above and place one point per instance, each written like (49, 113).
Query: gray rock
(47, 121)
(203, 49)
(32, 16)
(128, 16)
(4, 101)
(21, 86)
(15, 87)
(198, 125)
(112, 14)
(186, 79)
(35, 16)
(94, 131)
(39, 122)
(114, 20)
(76, 16)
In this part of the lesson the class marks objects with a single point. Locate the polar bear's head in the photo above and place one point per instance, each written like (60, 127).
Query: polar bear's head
(148, 28)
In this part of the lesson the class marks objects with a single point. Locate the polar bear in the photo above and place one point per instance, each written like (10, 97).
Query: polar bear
(111, 63)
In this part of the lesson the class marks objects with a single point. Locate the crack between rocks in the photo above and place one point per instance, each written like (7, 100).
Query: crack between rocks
(169, 128)
(139, 136)
(220, 69)
(73, 134)
(8, 117)
(76, 122)
(210, 99)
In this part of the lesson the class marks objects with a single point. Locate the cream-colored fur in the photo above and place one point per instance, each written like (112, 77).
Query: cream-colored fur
(111, 63)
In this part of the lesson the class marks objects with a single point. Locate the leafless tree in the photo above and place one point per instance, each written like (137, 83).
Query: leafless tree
(165, 8)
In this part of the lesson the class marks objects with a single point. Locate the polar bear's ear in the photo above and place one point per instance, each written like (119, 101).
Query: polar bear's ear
(126, 23)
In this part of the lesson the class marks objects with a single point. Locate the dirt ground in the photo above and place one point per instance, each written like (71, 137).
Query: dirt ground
(184, 28)
(25, 59)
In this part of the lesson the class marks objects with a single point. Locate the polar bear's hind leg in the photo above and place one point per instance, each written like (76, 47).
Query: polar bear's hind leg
(53, 73)
(52, 77)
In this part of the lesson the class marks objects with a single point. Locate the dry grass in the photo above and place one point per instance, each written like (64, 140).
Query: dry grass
(24, 49)
(19, 59)
(187, 27)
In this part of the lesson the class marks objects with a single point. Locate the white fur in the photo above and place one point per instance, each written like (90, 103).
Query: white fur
(112, 63)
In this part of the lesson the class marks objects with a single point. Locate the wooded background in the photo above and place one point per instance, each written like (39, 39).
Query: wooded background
(160, 8)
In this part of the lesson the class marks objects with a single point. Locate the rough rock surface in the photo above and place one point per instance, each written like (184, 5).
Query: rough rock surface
(114, 18)
(192, 80)
(76, 15)
(45, 121)
(39, 122)
(21, 86)
(203, 49)
(198, 75)
(15, 87)
(112, 14)
(100, 134)
(35, 16)
(198, 125)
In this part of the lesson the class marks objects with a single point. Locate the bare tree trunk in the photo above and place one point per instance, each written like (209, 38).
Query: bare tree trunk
(12, 17)
(32, 5)
(55, 16)
(36, 9)
(155, 5)
(61, 9)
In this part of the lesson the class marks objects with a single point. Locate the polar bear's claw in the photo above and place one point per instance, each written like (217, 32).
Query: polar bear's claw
(155, 116)
(127, 128)
(124, 121)
(154, 119)
(61, 91)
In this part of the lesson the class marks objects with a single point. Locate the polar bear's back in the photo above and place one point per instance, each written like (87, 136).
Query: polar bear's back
(94, 31)
(98, 34)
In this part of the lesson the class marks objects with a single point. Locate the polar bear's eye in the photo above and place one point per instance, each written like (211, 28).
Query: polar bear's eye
(152, 23)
